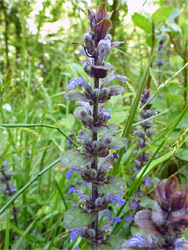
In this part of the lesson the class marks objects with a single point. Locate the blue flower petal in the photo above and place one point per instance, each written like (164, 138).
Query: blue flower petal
(73, 83)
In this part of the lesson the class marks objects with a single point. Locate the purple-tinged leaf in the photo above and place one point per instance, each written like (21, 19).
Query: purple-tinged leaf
(101, 28)
(101, 13)
(178, 198)
(77, 96)
(115, 185)
(161, 197)
(171, 185)
(101, 71)
(73, 158)
(115, 44)
(108, 129)
(91, 15)
(85, 84)
(179, 223)
(118, 142)
(75, 217)
(86, 105)
(143, 219)
(116, 90)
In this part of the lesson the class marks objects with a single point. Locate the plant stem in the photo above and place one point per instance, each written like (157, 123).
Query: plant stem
(94, 163)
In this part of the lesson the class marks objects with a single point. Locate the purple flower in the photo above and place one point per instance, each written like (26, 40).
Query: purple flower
(106, 114)
(85, 104)
(115, 155)
(75, 190)
(83, 52)
(129, 218)
(106, 213)
(140, 240)
(5, 164)
(69, 173)
(111, 221)
(146, 181)
(111, 77)
(181, 244)
(115, 198)
(116, 219)
(28, 155)
(160, 62)
(77, 248)
(73, 83)
(134, 205)
(74, 233)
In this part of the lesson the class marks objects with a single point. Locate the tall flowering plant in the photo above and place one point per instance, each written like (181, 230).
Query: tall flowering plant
(96, 139)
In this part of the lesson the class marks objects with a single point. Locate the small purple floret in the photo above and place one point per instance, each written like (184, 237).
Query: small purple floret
(115, 155)
(128, 218)
(74, 233)
(181, 244)
(146, 181)
(73, 83)
(139, 240)
(134, 205)
(116, 198)
(69, 173)
(116, 219)
(121, 78)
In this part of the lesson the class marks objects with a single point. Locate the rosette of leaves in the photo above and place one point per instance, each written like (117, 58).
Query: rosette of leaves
(93, 159)
(167, 221)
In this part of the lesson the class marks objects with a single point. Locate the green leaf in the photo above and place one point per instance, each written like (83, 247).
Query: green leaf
(175, 13)
(142, 22)
(149, 40)
(171, 20)
(185, 30)
(76, 217)
(76, 95)
(118, 142)
(182, 154)
(73, 158)
(75, 67)
(114, 243)
(115, 185)
(161, 14)
(108, 129)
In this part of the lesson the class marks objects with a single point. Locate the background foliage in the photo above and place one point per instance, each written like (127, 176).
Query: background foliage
(37, 62)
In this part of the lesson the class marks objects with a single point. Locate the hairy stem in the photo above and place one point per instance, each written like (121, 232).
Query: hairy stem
(94, 163)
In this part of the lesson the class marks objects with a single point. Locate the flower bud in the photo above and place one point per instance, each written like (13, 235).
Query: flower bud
(89, 42)
(103, 50)
(95, 145)
(92, 173)
(108, 37)
(170, 186)
(178, 199)
(87, 69)
(99, 201)
(160, 63)
(90, 232)
(107, 141)
(83, 113)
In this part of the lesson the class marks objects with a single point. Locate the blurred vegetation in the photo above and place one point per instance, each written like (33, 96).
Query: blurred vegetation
(37, 61)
